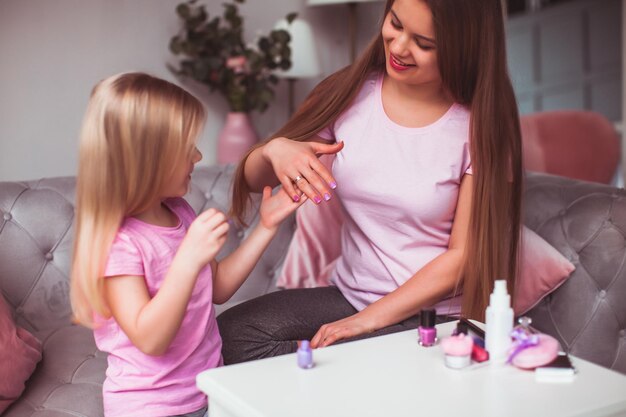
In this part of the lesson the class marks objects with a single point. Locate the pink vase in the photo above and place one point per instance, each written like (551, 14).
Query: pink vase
(236, 137)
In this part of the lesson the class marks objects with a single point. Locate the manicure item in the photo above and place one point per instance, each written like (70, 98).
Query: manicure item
(457, 350)
(305, 355)
(427, 331)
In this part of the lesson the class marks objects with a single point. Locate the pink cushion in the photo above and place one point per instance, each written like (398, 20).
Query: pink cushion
(19, 353)
(316, 245)
(543, 269)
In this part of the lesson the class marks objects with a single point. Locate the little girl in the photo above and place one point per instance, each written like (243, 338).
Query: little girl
(144, 273)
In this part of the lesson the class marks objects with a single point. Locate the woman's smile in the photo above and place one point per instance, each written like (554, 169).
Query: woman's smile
(398, 65)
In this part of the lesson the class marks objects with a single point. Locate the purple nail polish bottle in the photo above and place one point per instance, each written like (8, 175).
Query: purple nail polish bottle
(305, 355)
(427, 331)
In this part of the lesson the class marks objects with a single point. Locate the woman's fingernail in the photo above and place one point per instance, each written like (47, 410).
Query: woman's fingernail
(326, 196)
(296, 198)
(317, 199)
(333, 185)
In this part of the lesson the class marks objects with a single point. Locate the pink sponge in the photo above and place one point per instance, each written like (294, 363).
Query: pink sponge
(542, 353)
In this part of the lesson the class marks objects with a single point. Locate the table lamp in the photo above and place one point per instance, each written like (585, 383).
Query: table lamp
(352, 4)
(304, 59)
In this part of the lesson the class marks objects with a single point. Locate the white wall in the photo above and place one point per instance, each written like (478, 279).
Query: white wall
(53, 51)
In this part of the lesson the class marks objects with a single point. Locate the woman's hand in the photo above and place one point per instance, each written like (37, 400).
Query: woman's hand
(352, 326)
(298, 168)
(275, 208)
(205, 237)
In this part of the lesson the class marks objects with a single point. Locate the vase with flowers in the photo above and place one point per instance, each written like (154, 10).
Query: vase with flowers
(213, 52)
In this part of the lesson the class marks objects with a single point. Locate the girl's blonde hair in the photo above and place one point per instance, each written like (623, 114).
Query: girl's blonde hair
(136, 129)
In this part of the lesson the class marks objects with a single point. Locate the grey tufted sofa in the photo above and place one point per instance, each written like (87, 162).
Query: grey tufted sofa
(586, 222)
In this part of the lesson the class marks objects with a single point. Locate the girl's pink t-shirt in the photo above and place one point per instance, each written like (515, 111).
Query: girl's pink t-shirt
(137, 384)
(399, 188)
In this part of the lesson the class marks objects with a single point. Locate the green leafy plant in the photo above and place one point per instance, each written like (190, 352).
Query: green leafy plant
(214, 53)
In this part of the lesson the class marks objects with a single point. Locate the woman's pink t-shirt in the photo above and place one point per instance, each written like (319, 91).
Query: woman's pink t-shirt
(137, 384)
(399, 188)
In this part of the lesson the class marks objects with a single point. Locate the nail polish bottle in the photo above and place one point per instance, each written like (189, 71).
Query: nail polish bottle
(427, 331)
(305, 355)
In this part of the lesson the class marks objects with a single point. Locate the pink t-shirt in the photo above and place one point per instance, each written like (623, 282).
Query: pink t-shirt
(399, 188)
(137, 384)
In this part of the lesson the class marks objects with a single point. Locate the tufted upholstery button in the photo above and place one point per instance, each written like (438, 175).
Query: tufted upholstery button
(49, 256)
(240, 234)
(7, 216)
(208, 196)
(270, 272)
(602, 294)
(562, 212)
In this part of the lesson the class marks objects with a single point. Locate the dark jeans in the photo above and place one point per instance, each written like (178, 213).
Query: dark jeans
(272, 324)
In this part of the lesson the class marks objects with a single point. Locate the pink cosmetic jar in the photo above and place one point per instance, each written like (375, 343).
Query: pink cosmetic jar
(457, 350)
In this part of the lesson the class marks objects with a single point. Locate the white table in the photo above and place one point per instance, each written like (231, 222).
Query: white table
(392, 375)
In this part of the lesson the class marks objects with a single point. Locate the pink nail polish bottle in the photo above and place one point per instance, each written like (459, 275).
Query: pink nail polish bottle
(427, 331)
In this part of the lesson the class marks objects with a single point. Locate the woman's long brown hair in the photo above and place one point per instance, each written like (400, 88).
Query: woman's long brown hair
(472, 63)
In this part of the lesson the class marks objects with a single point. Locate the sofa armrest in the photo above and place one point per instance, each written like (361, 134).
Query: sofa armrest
(586, 222)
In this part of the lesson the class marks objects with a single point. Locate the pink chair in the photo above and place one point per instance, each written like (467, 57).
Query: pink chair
(571, 143)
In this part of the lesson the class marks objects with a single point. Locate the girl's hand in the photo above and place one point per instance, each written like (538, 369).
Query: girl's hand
(275, 208)
(205, 237)
(352, 326)
(297, 167)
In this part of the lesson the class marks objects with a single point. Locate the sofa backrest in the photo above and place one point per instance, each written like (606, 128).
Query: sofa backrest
(36, 237)
(35, 248)
(584, 221)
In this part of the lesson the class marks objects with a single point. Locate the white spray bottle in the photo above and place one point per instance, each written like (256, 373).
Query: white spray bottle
(498, 324)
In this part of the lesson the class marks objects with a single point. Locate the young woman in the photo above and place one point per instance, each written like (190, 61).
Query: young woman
(144, 273)
(428, 170)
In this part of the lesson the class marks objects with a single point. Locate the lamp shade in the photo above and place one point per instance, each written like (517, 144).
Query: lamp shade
(323, 2)
(304, 61)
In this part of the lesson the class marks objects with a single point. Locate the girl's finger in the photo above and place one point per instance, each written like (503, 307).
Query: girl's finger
(221, 230)
(267, 192)
(215, 220)
(207, 214)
